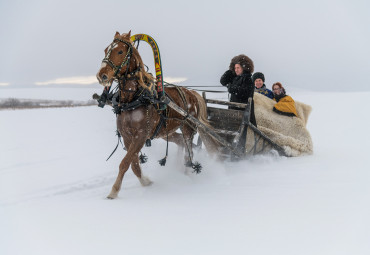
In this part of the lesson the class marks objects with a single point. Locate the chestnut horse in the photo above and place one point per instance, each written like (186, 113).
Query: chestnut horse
(136, 124)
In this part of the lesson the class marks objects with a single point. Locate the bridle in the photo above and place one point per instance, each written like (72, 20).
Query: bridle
(125, 61)
(140, 96)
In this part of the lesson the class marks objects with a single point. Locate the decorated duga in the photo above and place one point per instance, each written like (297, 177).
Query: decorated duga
(147, 109)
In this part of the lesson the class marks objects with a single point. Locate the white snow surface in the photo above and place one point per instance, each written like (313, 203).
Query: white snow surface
(54, 181)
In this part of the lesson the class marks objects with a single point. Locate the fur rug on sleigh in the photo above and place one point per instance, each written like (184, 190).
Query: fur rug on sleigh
(288, 132)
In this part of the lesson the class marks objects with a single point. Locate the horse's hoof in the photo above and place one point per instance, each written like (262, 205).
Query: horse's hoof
(145, 181)
(112, 196)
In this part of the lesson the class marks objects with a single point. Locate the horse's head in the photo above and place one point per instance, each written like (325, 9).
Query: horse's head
(116, 60)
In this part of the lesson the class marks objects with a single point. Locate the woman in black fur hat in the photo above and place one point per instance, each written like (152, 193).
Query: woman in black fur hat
(238, 80)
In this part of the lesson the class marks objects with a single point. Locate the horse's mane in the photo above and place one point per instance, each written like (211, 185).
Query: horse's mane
(145, 79)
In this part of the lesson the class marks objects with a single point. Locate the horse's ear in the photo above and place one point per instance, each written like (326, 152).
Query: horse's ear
(117, 35)
(129, 34)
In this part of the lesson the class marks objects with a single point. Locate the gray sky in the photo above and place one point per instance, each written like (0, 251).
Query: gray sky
(318, 45)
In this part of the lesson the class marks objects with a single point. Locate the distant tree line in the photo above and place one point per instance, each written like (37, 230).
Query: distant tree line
(14, 103)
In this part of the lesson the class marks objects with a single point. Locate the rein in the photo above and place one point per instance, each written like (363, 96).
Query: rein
(201, 90)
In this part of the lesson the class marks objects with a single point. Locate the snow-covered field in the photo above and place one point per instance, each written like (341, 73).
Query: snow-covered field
(54, 180)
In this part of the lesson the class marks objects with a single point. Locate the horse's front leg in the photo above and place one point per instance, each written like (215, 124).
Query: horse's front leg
(123, 167)
(134, 142)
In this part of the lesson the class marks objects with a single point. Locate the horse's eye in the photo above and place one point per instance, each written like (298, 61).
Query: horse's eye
(120, 52)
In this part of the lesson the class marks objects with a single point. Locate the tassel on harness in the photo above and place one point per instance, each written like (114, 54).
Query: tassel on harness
(197, 167)
(143, 158)
(148, 143)
(163, 161)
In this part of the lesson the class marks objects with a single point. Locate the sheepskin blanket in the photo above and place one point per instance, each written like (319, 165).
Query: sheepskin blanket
(288, 132)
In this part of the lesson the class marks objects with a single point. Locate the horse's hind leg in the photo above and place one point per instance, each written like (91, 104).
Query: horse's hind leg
(176, 138)
(135, 165)
(188, 135)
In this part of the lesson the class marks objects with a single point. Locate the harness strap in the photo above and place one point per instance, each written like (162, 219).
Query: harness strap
(183, 98)
(159, 126)
(162, 162)
(129, 106)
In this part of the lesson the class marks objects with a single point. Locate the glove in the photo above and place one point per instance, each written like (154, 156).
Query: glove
(229, 74)
(227, 77)
(103, 99)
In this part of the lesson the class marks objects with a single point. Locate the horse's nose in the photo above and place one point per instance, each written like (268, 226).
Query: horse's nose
(104, 77)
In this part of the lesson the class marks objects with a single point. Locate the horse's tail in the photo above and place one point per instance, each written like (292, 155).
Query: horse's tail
(202, 114)
(210, 143)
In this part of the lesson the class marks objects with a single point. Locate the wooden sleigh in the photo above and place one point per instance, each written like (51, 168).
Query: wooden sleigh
(230, 133)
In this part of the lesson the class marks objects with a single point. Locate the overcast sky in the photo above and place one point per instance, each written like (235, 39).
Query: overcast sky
(318, 45)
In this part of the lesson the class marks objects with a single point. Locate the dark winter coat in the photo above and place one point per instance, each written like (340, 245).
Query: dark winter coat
(241, 86)
(265, 91)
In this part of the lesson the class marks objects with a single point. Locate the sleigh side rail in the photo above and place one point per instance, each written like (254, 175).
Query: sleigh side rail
(228, 121)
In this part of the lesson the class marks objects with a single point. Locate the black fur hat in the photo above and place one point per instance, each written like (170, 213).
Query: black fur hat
(258, 75)
(245, 62)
